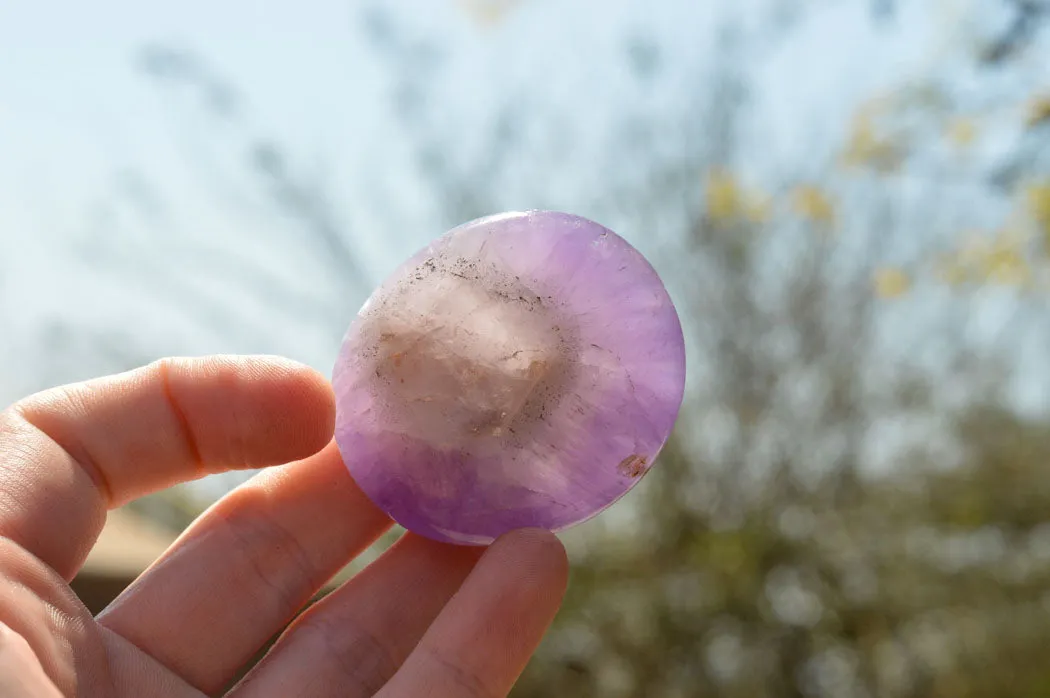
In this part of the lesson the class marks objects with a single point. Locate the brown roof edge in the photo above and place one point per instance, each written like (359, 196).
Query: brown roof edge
(128, 544)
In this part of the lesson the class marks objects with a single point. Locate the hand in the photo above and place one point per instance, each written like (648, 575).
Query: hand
(425, 619)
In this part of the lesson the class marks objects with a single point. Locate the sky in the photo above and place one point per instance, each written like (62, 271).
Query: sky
(79, 120)
(77, 113)
(74, 108)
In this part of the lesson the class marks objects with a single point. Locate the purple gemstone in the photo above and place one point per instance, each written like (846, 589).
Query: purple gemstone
(523, 370)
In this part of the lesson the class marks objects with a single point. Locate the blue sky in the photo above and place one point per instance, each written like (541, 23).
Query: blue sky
(76, 113)
(73, 107)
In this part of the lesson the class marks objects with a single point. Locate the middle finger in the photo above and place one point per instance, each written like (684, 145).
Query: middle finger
(245, 567)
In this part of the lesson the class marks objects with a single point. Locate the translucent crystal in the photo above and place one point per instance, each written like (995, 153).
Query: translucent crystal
(523, 370)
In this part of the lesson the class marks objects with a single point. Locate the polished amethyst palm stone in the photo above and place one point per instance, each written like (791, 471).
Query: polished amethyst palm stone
(523, 370)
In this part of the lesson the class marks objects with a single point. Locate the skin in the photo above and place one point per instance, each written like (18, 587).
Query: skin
(424, 620)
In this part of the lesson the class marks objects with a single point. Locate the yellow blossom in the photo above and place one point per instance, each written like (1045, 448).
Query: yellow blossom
(1005, 262)
(891, 282)
(725, 200)
(865, 147)
(1038, 111)
(813, 204)
(1008, 268)
(962, 132)
(1037, 200)
(488, 13)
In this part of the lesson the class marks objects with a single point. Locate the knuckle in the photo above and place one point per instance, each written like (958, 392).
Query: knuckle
(272, 558)
(467, 683)
(357, 656)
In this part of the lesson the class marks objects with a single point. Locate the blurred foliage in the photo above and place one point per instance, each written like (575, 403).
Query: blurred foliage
(1001, 258)
(928, 584)
(772, 552)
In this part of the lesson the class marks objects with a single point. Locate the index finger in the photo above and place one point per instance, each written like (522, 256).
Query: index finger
(70, 453)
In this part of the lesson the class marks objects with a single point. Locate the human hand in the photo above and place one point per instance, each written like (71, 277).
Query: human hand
(425, 619)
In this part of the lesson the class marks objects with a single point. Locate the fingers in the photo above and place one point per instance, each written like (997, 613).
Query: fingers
(483, 638)
(20, 670)
(69, 453)
(241, 572)
(351, 642)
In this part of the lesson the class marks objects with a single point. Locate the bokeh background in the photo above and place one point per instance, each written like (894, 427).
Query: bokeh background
(849, 201)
